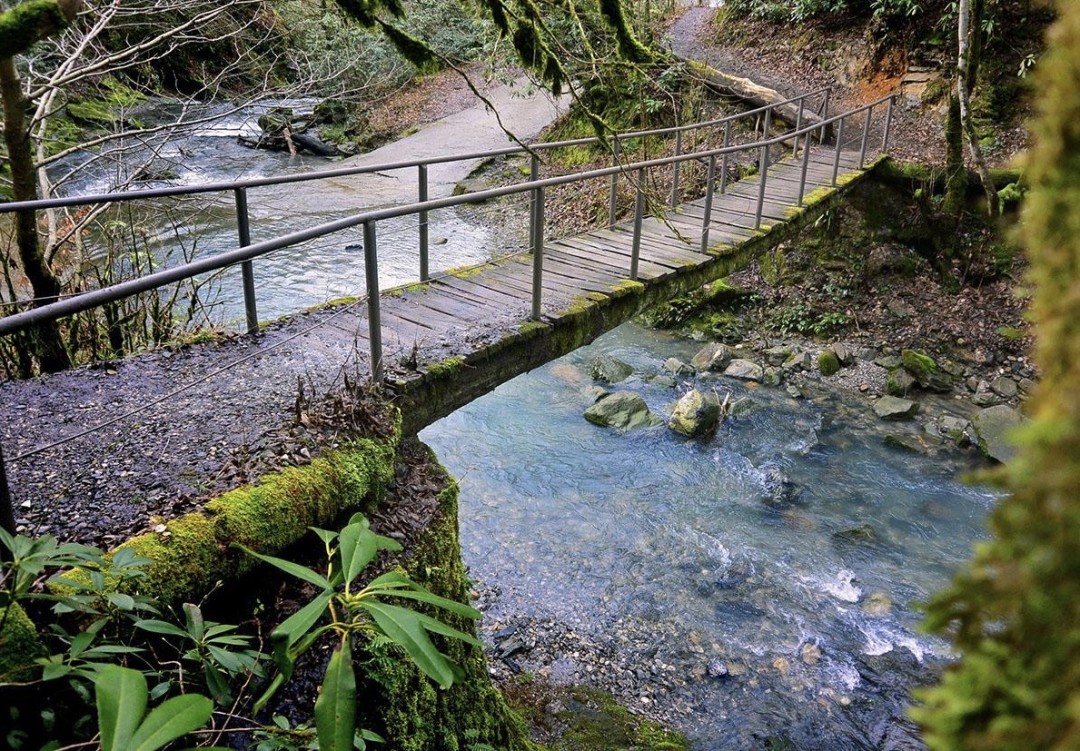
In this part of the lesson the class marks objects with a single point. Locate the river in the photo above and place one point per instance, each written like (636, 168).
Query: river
(791, 624)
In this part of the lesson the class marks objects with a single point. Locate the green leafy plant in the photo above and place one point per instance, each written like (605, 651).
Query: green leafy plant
(121, 696)
(222, 653)
(351, 610)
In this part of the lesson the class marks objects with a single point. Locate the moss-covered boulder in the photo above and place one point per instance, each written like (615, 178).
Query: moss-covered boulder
(695, 414)
(19, 645)
(624, 410)
(828, 363)
(925, 371)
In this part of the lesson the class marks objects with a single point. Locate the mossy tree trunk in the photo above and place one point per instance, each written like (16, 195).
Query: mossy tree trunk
(45, 340)
(969, 46)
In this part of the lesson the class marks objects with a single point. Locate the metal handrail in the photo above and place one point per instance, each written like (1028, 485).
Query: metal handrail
(258, 182)
(245, 253)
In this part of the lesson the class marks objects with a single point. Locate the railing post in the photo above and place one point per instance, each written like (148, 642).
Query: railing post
(538, 252)
(534, 175)
(7, 509)
(865, 136)
(422, 195)
(798, 127)
(613, 198)
(839, 142)
(824, 116)
(888, 125)
(675, 170)
(709, 180)
(247, 271)
(724, 161)
(765, 133)
(805, 167)
(371, 272)
(639, 211)
(764, 170)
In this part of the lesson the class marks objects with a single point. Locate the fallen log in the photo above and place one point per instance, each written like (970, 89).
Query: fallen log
(757, 95)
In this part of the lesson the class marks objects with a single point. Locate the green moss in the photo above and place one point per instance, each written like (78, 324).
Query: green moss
(445, 368)
(19, 645)
(336, 302)
(828, 363)
(918, 364)
(195, 550)
(1010, 333)
(408, 709)
(596, 722)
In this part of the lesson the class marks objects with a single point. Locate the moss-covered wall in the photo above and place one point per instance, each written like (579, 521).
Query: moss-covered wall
(408, 709)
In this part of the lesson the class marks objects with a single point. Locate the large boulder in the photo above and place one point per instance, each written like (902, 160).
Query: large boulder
(895, 408)
(828, 363)
(624, 410)
(695, 414)
(992, 427)
(747, 370)
(610, 369)
(712, 356)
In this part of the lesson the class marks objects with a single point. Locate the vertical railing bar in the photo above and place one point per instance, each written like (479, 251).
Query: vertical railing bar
(764, 170)
(888, 126)
(639, 211)
(709, 181)
(7, 508)
(798, 127)
(805, 166)
(724, 161)
(865, 136)
(534, 175)
(765, 133)
(675, 170)
(247, 270)
(422, 193)
(839, 143)
(616, 149)
(824, 115)
(538, 253)
(371, 272)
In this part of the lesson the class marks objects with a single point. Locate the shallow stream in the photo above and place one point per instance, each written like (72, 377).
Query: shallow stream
(790, 625)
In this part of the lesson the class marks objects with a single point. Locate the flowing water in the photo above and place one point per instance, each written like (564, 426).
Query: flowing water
(809, 607)
(173, 231)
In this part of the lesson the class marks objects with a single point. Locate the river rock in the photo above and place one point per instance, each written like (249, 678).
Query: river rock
(695, 414)
(926, 372)
(828, 363)
(712, 356)
(772, 376)
(677, 367)
(905, 442)
(1005, 387)
(610, 369)
(624, 410)
(992, 427)
(844, 353)
(742, 406)
(776, 355)
(899, 383)
(864, 533)
(955, 429)
(779, 490)
(894, 408)
(798, 361)
(747, 370)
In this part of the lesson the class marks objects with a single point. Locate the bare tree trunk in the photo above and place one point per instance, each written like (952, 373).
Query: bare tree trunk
(964, 69)
(47, 343)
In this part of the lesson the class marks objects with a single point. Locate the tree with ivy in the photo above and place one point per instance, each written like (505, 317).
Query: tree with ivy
(1014, 610)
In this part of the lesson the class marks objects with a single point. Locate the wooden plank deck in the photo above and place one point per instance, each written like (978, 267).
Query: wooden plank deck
(600, 260)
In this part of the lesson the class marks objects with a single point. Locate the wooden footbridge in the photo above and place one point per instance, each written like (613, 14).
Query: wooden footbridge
(435, 344)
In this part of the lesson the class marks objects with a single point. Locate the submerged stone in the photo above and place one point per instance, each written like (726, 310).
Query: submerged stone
(610, 369)
(695, 414)
(675, 366)
(624, 410)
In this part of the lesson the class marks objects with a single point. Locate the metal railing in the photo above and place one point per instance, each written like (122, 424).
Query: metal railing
(247, 251)
(240, 188)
